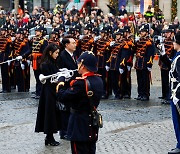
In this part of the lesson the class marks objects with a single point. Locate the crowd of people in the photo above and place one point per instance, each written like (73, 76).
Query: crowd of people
(114, 41)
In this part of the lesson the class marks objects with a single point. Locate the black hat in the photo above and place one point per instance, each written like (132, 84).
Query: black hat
(88, 27)
(89, 60)
(127, 29)
(177, 37)
(144, 28)
(4, 28)
(19, 31)
(171, 28)
(39, 28)
(71, 30)
(77, 28)
(95, 31)
(119, 32)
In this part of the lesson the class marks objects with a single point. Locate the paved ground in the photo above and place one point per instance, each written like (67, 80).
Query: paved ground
(130, 126)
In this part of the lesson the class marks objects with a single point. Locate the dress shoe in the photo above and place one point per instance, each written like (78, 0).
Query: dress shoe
(144, 98)
(126, 97)
(138, 98)
(165, 102)
(174, 151)
(104, 97)
(161, 97)
(37, 97)
(51, 142)
(64, 137)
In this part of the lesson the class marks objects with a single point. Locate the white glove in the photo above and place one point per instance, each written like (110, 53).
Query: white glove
(81, 37)
(121, 71)
(9, 62)
(175, 100)
(161, 49)
(63, 69)
(107, 68)
(22, 66)
(96, 38)
(28, 62)
(112, 43)
(19, 58)
(128, 68)
(149, 69)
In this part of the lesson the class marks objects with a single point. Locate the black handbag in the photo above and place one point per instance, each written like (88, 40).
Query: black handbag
(97, 120)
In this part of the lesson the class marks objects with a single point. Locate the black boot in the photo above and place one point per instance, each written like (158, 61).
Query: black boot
(49, 140)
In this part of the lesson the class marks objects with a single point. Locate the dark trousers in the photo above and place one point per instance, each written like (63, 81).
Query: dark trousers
(64, 122)
(83, 147)
(105, 77)
(27, 80)
(143, 82)
(125, 83)
(165, 83)
(19, 78)
(115, 82)
(176, 122)
(6, 84)
(38, 83)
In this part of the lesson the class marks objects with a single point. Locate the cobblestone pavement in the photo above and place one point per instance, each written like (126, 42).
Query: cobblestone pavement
(130, 126)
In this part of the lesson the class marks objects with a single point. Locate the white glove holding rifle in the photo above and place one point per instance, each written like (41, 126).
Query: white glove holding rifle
(161, 49)
(19, 58)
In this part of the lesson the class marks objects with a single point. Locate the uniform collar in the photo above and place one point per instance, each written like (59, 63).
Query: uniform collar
(88, 74)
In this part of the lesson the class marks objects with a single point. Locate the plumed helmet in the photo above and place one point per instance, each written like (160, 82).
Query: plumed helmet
(89, 60)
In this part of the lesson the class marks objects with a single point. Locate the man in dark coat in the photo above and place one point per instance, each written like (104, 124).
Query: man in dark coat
(81, 131)
(67, 60)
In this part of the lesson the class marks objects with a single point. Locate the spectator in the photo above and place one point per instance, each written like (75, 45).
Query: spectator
(122, 11)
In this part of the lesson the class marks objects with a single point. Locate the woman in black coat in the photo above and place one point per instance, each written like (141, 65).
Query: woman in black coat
(47, 117)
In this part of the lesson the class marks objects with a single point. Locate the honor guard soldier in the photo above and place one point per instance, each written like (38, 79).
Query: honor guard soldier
(126, 63)
(86, 40)
(101, 51)
(20, 49)
(174, 75)
(38, 45)
(112, 64)
(54, 37)
(170, 52)
(143, 64)
(82, 133)
(5, 51)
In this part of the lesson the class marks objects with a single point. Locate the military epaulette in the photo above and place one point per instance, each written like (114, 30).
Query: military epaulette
(72, 82)
(148, 43)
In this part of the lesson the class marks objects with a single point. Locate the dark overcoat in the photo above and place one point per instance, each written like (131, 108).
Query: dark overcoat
(48, 120)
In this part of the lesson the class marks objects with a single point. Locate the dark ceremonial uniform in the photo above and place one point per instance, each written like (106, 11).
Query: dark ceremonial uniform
(174, 75)
(20, 48)
(66, 61)
(82, 134)
(126, 62)
(85, 44)
(38, 46)
(101, 50)
(5, 51)
(169, 49)
(144, 60)
(113, 64)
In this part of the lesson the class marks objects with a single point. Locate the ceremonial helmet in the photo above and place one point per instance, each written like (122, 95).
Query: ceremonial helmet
(3, 28)
(89, 60)
(144, 28)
